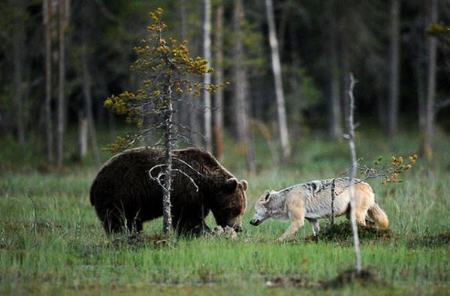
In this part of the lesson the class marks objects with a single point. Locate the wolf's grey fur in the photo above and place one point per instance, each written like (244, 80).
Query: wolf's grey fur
(312, 201)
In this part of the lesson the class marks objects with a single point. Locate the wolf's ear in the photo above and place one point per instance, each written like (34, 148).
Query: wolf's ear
(266, 197)
(231, 185)
(244, 184)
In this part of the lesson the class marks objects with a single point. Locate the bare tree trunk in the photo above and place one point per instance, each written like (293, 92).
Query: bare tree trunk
(431, 84)
(218, 77)
(276, 67)
(239, 75)
(207, 76)
(82, 135)
(420, 98)
(62, 23)
(381, 112)
(248, 139)
(191, 117)
(241, 88)
(47, 9)
(185, 117)
(335, 124)
(88, 104)
(345, 66)
(168, 146)
(353, 170)
(394, 68)
(18, 60)
(194, 121)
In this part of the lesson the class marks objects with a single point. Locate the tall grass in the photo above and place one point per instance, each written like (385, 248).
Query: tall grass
(51, 242)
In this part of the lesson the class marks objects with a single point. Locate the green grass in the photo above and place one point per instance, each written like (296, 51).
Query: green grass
(51, 242)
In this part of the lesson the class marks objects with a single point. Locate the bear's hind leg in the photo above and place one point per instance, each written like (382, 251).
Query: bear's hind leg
(134, 225)
(191, 228)
(113, 220)
(112, 224)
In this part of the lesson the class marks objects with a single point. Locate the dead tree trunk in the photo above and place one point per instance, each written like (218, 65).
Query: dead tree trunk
(48, 14)
(345, 66)
(239, 75)
(421, 101)
(248, 139)
(218, 77)
(63, 8)
(353, 170)
(187, 118)
(18, 47)
(335, 122)
(394, 54)
(241, 88)
(83, 129)
(192, 117)
(427, 145)
(168, 146)
(207, 76)
(88, 104)
(276, 67)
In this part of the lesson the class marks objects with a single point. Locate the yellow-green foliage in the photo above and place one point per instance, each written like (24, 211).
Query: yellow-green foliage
(442, 31)
(389, 171)
(166, 70)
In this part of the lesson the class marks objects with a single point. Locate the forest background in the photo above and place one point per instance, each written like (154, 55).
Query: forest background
(60, 60)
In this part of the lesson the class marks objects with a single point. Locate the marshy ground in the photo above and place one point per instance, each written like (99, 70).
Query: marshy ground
(52, 243)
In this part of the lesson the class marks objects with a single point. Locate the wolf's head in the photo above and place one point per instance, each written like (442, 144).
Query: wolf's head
(268, 205)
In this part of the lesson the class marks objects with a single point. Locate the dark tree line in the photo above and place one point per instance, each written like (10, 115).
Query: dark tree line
(60, 59)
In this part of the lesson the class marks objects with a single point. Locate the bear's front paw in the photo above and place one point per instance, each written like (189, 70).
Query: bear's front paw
(227, 232)
(281, 239)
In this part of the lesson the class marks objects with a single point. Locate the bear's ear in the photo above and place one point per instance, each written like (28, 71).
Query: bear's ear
(231, 185)
(244, 184)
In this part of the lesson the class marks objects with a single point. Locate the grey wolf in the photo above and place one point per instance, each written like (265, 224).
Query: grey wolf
(312, 201)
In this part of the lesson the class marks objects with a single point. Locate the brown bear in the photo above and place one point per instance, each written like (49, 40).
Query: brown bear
(124, 195)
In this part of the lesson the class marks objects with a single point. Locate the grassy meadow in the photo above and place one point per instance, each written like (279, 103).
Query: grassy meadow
(52, 243)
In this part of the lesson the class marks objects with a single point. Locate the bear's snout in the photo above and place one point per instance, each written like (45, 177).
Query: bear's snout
(255, 222)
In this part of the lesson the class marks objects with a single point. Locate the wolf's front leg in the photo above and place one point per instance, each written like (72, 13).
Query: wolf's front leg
(296, 212)
(292, 230)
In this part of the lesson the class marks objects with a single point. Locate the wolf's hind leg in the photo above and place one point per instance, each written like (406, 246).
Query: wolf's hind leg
(360, 216)
(315, 226)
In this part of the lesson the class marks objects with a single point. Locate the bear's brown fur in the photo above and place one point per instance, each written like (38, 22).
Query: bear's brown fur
(123, 194)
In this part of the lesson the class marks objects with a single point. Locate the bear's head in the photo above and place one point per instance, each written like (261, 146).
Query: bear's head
(230, 203)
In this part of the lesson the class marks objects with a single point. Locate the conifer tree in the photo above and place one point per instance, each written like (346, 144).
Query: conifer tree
(166, 71)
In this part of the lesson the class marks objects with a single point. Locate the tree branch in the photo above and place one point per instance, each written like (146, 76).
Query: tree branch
(189, 166)
(441, 105)
(187, 176)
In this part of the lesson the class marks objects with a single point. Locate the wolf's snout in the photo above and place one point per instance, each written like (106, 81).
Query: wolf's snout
(255, 222)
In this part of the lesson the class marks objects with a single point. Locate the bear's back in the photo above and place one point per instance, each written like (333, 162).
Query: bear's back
(129, 171)
(203, 162)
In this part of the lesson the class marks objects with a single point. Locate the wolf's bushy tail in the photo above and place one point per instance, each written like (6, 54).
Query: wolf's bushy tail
(378, 216)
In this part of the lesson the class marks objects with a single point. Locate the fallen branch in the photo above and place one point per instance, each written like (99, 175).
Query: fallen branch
(161, 174)
(188, 165)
